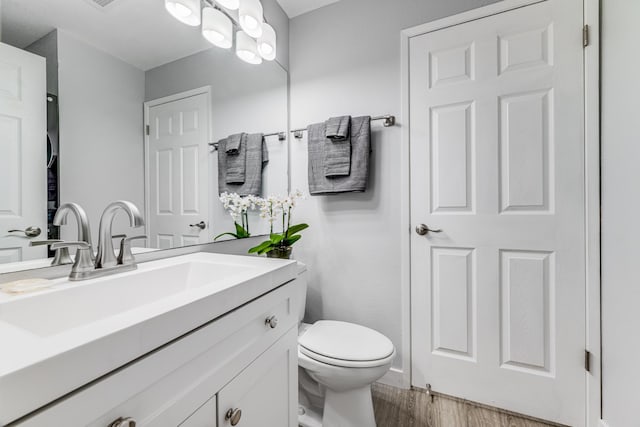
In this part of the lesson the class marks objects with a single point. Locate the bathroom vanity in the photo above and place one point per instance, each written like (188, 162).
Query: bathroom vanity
(197, 340)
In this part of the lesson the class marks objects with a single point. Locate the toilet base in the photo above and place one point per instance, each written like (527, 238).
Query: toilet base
(308, 417)
(352, 408)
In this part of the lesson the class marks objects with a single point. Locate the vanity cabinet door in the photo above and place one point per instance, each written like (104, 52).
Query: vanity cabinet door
(265, 394)
(205, 416)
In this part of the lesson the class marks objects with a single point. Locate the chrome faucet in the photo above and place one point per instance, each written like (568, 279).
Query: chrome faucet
(106, 256)
(62, 256)
(84, 230)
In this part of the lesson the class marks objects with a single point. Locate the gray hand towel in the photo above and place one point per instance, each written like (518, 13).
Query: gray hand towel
(360, 155)
(233, 143)
(338, 128)
(236, 150)
(337, 150)
(257, 157)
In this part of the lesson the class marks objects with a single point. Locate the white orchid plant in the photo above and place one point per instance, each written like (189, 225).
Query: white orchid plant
(274, 209)
(238, 207)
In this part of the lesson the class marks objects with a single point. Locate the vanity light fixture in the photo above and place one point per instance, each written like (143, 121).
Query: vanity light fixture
(255, 38)
(217, 28)
(229, 4)
(185, 11)
(247, 48)
(267, 43)
(250, 15)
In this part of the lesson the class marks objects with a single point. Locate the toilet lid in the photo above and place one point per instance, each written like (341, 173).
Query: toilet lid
(346, 341)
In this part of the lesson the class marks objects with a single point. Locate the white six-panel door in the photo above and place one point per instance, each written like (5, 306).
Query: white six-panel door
(178, 172)
(23, 152)
(497, 163)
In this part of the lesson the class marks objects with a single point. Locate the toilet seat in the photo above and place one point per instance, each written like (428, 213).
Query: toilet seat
(345, 345)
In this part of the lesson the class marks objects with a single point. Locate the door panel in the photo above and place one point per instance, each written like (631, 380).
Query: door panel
(178, 172)
(497, 163)
(266, 391)
(23, 152)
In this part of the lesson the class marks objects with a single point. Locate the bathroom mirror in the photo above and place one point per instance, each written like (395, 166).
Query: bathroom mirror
(133, 102)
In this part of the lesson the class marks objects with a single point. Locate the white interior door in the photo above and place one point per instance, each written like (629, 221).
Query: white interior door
(497, 163)
(178, 172)
(23, 153)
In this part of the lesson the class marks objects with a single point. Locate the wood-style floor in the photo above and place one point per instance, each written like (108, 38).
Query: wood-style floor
(415, 408)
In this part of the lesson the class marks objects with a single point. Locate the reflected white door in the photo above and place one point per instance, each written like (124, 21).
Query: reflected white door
(178, 172)
(23, 153)
(497, 163)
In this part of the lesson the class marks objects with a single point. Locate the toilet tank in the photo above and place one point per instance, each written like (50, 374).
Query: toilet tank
(302, 289)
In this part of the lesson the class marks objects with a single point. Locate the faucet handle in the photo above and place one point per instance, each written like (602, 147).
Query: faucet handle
(62, 244)
(43, 242)
(125, 256)
(83, 262)
(62, 254)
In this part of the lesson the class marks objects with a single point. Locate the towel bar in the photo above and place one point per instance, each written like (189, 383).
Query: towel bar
(388, 121)
(282, 136)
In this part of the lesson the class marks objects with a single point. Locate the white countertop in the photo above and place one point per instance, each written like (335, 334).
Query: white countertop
(31, 264)
(38, 367)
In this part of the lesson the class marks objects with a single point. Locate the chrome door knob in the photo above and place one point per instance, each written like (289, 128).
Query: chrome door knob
(272, 322)
(201, 225)
(233, 416)
(424, 230)
(29, 231)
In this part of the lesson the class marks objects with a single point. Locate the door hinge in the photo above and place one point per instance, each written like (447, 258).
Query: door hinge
(585, 36)
(148, 129)
(587, 361)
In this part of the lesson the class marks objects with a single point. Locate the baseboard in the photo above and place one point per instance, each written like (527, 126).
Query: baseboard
(395, 378)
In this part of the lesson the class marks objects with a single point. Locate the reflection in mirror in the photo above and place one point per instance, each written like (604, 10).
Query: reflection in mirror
(114, 100)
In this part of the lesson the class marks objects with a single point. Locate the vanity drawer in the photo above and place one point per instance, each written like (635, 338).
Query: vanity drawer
(166, 386)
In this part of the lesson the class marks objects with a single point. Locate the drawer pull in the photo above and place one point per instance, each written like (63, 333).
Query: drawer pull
(123, 422)
(272, 322)
(233, 416)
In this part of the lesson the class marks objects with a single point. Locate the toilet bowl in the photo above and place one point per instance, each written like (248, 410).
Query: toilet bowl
(338, 362)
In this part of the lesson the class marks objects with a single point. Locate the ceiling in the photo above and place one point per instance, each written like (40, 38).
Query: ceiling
(140, 32)
(294, 8)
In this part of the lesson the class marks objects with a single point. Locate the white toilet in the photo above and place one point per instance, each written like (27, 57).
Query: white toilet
(337, 363)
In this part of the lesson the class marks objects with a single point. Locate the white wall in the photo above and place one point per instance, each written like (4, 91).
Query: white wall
(47, 47)
(101, 140)
(620, 212)
(345, 59)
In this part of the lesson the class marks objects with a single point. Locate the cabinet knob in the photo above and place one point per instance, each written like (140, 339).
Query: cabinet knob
(272, 322)
(123, 422)
(233, 416)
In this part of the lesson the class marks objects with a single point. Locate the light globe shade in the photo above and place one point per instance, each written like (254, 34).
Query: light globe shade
(229, 4)
(217, 28)
(267, 42)
(247, 48)
(250, 16)
(185, 11)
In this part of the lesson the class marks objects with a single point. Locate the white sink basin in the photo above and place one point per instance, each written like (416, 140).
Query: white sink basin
(81, 305)
(76, 332)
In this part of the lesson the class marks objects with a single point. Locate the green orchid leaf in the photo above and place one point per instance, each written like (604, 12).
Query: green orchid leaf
(291, 240)
(296, 229)
(276, 238)
(226, 234)
(241, 232)
(258, 249)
